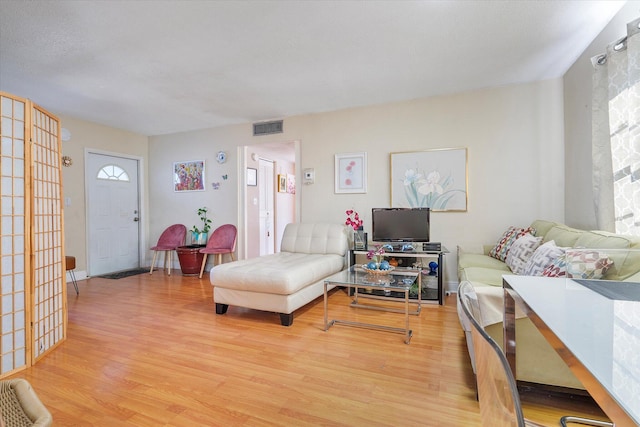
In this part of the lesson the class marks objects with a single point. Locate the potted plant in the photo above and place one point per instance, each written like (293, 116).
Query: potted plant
(189, 256)
(200, 236)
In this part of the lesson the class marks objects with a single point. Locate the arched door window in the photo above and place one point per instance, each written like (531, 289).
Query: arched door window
(113, 172)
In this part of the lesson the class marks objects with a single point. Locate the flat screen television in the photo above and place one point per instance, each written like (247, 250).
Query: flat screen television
(400, 224)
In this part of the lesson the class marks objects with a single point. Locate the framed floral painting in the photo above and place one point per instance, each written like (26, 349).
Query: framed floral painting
(435, 179)
(351, 173)
(291, 183)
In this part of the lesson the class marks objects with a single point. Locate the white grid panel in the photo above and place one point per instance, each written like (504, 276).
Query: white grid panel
(49, 317)
(14, 244)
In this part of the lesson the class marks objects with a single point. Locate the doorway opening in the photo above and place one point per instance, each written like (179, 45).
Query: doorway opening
(263, 210)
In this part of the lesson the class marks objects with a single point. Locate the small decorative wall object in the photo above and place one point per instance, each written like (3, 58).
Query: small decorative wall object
(188, 176)
(252, 177)
(66, 161)
(215, 185)
(291, 183)
(351, 173)
(221, 157)
(282, 183)
(435, 179)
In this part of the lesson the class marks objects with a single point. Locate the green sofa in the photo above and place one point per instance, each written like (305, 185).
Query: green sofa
(537, 362)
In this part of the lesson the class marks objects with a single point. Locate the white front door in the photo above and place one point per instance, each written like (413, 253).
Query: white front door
(266, 187)
(113, 214)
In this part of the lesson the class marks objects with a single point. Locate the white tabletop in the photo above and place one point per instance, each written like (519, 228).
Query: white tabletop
(603, 333)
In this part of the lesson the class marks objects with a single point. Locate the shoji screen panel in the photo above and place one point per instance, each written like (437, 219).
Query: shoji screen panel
(14, 250)
(32, 277)
(49, 297)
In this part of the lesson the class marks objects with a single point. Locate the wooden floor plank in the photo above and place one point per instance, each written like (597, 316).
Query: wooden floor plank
(149, 350)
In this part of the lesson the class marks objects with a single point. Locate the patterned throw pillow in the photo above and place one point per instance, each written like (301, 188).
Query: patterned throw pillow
(558, 268)
(520, 252)
(500, 250)
(579, 264)
(542, 258)
(587, 264)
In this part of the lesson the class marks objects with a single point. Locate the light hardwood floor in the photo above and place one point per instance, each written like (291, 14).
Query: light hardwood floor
(149, 350)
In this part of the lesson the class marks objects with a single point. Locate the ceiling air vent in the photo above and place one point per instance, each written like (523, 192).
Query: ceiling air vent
(266, 128)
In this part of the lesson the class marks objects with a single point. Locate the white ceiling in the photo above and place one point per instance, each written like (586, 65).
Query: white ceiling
(157, 67)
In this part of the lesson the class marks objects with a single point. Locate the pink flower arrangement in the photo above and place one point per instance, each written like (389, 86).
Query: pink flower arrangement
(353, 219)
(376, 254)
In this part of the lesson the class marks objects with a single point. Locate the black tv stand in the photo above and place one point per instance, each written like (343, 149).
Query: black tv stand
(419, 252)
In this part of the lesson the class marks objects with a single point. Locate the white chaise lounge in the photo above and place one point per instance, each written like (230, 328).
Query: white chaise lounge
(287, 280)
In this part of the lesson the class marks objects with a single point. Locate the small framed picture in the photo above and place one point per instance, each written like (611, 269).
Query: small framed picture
(282, 183)
(188, 176)
(252, 177)
(351, 173)
(291, 183)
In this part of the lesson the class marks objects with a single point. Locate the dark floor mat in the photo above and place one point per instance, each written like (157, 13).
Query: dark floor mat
(125, 273)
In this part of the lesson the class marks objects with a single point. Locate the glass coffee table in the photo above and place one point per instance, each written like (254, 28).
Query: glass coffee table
(356, 278)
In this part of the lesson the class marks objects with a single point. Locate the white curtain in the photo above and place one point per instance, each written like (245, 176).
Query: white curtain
(616, 134)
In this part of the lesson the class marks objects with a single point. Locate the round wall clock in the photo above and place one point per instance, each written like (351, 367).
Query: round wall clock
(221, 157)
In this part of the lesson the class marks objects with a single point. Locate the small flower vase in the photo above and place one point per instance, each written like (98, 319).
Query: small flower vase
(359, 240)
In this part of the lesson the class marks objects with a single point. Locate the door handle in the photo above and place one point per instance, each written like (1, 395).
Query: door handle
(136, 219)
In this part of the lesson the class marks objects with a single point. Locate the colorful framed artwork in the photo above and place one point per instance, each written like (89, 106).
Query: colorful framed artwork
(252, 177)
(188, 176)
(282, 183)
(291, 183)
(351, 173)
(435, 179)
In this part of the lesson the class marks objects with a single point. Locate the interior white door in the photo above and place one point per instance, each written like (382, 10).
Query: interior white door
(266, 187)
(113, 214)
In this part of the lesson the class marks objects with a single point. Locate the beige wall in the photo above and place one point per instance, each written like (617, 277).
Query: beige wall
(91, 136)
(577, 111)
(514, 137)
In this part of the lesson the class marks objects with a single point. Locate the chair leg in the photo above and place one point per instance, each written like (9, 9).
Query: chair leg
(155, 254)
(584, 421)
(168, 268)
(73, 279)
(204, 262)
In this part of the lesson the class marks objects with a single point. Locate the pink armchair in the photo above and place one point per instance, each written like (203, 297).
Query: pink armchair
(169, 240)
(222, 241)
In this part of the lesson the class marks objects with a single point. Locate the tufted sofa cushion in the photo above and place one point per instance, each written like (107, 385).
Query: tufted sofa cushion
(314, 238)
